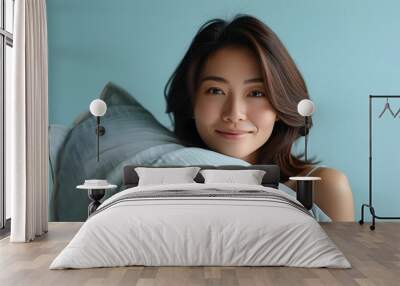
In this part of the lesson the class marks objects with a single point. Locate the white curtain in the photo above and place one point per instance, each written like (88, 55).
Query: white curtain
(27, 122)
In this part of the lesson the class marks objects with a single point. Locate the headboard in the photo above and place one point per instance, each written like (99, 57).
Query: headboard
(270, 179)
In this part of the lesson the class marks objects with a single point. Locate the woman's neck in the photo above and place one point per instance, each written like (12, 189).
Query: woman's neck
(251, 158)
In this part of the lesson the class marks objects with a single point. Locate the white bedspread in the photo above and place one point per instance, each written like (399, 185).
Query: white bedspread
(180, 231)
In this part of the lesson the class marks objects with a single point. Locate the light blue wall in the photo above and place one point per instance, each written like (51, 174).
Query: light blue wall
(345, 49)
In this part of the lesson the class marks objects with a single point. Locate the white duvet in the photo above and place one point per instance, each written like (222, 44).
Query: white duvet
(183, 231)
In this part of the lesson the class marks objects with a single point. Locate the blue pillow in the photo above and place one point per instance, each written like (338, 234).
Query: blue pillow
(130, 130)
(133, 136)
(57, 134)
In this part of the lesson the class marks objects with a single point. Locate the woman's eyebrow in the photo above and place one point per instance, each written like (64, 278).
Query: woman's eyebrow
(253, 80)
(221, 79)
(214, 78)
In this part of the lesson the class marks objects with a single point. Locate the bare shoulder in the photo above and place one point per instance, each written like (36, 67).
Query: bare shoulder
(324, 172)
(333, 176)
(333, 194)
(329, 173)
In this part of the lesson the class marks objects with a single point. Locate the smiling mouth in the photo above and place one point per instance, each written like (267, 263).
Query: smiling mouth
(232, 135)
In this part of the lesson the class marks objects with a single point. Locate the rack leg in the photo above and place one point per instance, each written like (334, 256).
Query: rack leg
(374, 216)
(361, 221)
(372, 210)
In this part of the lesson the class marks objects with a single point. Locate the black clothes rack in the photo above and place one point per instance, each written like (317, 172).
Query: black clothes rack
(369, 205)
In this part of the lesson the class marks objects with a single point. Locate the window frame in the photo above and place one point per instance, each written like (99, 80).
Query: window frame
(6, 39)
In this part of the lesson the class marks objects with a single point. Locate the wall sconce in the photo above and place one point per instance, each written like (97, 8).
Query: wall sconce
(98, 108)
(305, 108)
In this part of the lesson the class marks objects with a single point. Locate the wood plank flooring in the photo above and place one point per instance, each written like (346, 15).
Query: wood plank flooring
(374, 255)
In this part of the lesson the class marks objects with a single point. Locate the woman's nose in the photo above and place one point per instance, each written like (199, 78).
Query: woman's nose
(234, 111)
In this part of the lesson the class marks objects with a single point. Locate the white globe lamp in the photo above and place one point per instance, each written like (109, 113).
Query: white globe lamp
(305, 108)
(98, 108)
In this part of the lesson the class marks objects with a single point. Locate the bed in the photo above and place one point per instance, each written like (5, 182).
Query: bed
(201, 224)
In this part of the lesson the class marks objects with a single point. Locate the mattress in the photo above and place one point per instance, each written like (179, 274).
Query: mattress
(201, 225)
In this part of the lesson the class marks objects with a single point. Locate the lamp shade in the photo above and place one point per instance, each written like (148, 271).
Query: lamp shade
(98, 107)
(305, 107)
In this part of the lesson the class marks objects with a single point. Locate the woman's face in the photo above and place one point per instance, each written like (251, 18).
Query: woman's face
(232, 113)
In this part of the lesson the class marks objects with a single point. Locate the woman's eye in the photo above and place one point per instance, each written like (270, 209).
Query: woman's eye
(214, 90)
(257, 94)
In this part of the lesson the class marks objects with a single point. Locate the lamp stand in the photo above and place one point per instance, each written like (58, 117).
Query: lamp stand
(100, 131)
(306, 137)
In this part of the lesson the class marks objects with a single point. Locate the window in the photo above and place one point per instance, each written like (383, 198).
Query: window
(6, 62)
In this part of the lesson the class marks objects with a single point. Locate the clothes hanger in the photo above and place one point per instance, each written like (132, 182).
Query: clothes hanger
(398, 111)
(387, 107)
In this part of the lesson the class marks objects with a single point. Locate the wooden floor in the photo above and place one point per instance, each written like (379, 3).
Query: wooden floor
(374, 255)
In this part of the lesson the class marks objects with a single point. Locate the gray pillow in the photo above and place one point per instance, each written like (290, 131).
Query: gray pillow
(131, 132)
(57, 134)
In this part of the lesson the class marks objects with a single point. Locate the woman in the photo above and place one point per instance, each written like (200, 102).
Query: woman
(236, 92)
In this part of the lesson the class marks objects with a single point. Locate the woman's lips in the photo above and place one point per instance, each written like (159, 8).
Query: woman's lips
(232, 134)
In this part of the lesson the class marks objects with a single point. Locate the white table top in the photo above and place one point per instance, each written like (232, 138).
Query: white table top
(87, 187)
(305, 178)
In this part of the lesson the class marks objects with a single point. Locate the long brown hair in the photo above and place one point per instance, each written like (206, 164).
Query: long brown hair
(284, 84)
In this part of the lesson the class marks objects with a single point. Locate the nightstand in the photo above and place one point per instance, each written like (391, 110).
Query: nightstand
(305, 190)
(95, 193)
